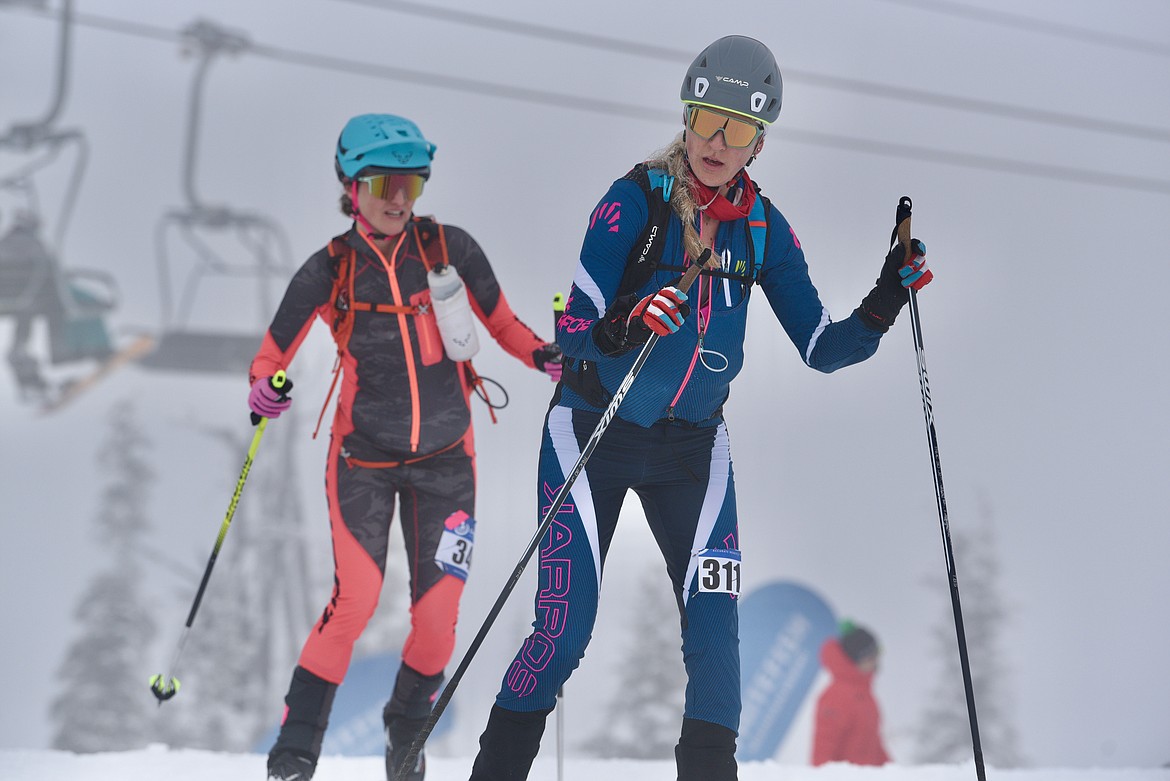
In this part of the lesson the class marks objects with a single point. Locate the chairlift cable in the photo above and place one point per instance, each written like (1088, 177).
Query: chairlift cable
(812, 138)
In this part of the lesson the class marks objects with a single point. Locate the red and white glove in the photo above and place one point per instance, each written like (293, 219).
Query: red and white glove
(662, 312)
(914, 272)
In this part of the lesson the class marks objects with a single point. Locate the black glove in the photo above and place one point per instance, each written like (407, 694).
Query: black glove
(616, 333)
(548, 358)
(891, 292)
(612, 334)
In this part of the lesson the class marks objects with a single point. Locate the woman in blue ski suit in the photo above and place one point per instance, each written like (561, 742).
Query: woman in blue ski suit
(668, 442)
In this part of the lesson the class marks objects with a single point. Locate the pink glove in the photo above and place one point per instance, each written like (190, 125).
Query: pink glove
(267, 401)
(548, 359)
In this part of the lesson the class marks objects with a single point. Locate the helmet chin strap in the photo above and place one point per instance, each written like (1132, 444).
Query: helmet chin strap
(361, 218)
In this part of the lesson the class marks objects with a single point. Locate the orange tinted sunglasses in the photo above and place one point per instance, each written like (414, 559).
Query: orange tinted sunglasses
(737, 133)
(383, 186)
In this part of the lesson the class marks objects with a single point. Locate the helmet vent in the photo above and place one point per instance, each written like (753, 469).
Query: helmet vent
(768, 80)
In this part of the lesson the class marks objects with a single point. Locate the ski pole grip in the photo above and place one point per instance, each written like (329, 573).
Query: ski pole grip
(706, 260)
(558, 310)
(905, 205)
(281, 384)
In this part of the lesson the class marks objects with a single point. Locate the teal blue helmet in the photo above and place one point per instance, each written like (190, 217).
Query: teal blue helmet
(382, 141)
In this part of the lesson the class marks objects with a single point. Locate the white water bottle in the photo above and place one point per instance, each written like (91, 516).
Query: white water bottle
(453, 313)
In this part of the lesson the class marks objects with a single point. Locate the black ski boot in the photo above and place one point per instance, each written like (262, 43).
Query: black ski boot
(294, 755)
(706, 752)
(404, 717)
(508, 745)
(290, 766)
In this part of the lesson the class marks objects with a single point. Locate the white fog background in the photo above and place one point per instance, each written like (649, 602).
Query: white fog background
(1038, 158)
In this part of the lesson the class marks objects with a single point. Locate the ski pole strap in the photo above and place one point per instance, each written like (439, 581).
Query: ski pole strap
(480, 389)
(692, 273)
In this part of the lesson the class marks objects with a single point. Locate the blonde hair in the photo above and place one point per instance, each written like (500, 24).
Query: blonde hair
(673, 159)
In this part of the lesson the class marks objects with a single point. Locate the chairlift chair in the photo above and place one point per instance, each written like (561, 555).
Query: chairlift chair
(184, 345)
(34, 284)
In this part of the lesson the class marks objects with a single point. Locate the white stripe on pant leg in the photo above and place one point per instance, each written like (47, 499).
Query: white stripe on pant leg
(712, 503)
(560, 429)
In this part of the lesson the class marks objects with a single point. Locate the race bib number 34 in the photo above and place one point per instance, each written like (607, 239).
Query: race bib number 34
(455, 546)
(719, 571)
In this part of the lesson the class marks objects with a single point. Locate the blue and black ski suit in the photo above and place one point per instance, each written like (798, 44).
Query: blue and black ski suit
(668, 442)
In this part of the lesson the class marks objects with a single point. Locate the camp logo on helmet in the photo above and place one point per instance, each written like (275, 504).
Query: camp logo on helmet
(731, 80)
(701, 86)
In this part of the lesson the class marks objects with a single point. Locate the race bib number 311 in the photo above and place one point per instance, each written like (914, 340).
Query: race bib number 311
(455, 546)
(719, 571)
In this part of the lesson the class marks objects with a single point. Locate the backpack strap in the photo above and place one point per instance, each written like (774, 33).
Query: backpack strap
(644, 259)
(344, 258)
(758, 232)
(426, 229)
(656, 185)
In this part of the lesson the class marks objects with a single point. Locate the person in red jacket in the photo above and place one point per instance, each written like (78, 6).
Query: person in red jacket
(399, 293)
(848, 724)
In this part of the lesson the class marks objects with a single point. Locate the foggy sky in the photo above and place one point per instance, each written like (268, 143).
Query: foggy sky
(1045, 330)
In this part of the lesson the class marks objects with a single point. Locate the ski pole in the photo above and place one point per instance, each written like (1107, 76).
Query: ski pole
(561, 734)
(558, 310)
(619, 395)
(166, 686)
(903, 236)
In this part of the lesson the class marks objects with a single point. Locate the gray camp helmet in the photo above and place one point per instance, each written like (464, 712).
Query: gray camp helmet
(736, 73)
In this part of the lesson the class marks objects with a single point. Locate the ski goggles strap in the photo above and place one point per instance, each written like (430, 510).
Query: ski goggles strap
(737, 133)
(384, 186)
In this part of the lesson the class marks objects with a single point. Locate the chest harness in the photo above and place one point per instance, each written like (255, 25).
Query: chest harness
(645, 259)
(343, 258)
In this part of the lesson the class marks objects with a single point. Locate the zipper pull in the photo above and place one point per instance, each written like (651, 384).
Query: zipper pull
(670, 412)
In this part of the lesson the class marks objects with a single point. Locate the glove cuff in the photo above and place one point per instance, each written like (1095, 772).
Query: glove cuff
(881, 306)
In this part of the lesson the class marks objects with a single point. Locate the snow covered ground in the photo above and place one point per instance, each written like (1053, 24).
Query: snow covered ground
(185, 765)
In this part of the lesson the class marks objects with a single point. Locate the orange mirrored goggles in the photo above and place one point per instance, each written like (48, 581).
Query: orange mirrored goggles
(384, 186)
(737, 133)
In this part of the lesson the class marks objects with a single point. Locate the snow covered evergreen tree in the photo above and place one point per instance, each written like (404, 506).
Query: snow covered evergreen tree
(228, 694)
(255, 614)
(223, 671)
(646, 712)
(944, 734)
(103, 704)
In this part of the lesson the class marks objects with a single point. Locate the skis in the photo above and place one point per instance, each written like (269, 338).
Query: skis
(71, 389)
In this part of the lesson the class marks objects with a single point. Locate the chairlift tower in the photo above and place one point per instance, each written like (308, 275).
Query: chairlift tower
(187, 343)
(248, 256)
